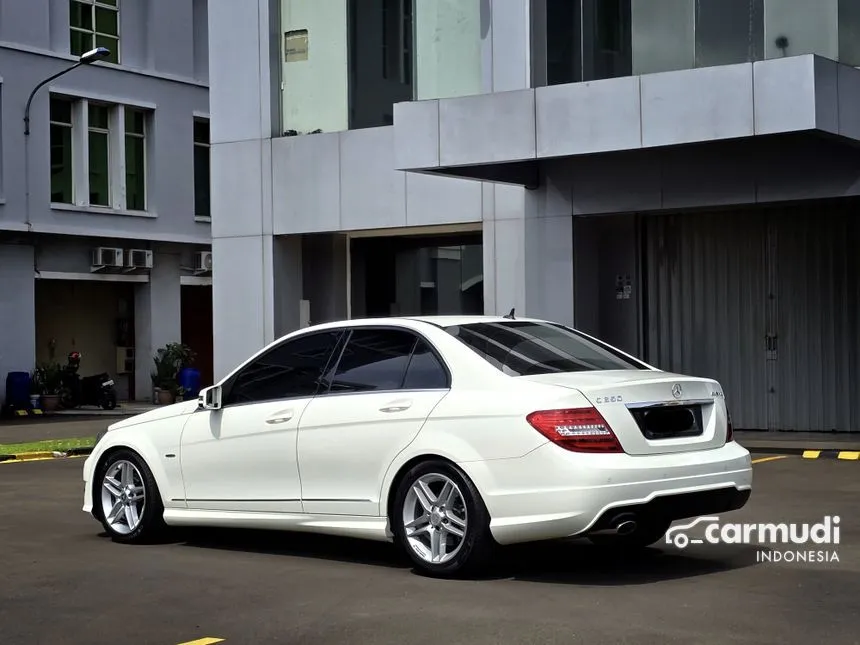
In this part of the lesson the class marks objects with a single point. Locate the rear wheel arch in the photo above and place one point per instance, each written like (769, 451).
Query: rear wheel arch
(391, 493)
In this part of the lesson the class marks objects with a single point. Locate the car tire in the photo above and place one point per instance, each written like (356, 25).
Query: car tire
(129, 470)
(646, 534)
(470, 552)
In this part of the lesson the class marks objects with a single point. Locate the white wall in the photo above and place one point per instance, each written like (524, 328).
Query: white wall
(315, 92)
(448, 48)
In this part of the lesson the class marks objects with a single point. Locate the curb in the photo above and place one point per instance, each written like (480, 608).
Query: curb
(806, 453)
(44, 455)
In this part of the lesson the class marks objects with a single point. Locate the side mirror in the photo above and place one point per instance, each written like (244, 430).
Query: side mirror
(210, 398)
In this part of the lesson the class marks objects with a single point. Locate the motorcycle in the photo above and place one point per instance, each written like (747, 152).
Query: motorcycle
(98, 389)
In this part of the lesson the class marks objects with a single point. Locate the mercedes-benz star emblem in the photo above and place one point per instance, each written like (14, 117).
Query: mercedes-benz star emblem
(677, 391)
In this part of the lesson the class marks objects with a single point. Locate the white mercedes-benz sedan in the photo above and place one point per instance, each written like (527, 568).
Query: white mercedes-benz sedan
(448, 435)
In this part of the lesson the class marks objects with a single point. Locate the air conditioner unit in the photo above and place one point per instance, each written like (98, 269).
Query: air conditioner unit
(105, 256)
(138, 259)
(203, 262)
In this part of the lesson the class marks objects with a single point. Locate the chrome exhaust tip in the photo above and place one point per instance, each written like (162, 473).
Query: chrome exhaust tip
(626, 528)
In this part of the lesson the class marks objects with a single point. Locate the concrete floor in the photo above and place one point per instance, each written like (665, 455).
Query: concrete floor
(63, 583)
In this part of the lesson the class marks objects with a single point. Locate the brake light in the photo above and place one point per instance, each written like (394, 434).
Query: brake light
(578, 430)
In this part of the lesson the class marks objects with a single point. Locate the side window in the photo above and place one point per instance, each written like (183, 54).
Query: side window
(373, 359)
(292, 369)
(425, 371)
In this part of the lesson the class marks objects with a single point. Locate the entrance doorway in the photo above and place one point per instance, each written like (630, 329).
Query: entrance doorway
(417, 275)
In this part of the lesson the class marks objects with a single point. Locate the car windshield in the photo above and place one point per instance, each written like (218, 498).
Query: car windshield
(523, 348)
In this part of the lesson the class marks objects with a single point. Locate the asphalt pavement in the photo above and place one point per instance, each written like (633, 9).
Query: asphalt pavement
(64, 583)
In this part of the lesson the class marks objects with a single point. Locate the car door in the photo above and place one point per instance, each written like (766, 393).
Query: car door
(242, 457)
(380, 392)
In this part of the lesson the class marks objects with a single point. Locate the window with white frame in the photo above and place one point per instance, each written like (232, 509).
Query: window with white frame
(99, 154)
(62, 180)
(94, 23)
(201, 169)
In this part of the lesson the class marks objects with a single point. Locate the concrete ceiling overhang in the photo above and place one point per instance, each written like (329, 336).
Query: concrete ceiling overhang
(507, 136)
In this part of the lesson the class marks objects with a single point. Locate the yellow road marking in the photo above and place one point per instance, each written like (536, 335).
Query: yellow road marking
(26, 461)
(763, 459)
(848, 454)
(811, 454)
(204, 641)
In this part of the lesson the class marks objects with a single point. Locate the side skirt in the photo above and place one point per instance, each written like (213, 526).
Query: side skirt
(366, 528)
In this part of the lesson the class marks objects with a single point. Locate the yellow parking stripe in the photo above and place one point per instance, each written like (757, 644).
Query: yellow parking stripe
(811, 454)
(204, 641)
(763, 459)
(848, 454)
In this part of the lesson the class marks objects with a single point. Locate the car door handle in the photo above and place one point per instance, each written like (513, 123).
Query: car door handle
(280, 417)
(397, 406)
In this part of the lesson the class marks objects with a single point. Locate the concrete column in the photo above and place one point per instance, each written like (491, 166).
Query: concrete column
(157, 318)
(528, 255)
(17, 311)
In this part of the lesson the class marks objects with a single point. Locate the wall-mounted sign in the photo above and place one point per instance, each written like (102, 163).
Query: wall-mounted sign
(295, 45)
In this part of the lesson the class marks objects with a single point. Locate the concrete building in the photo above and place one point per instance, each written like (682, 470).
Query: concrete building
(678, 177)
(104, 206)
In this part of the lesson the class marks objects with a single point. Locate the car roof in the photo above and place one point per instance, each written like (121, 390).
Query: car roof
(438, 321)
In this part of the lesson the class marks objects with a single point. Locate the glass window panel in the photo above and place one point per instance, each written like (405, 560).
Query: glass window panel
(795, 27)
(110, 3)
(98, 116)
(99, 164)
(106, 21)
(80, 42)
(729, 32)
(61, 164)
(563, 38)
(134, 121)
(609, 45)
(135, 173)
(662, 35)
(201, 182)
(201, 131)
(61, 111)
(314, 69)
(80, 15)
(849, 32)
(112, 45)
(447, 48)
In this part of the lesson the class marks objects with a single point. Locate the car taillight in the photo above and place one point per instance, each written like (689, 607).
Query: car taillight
(730, 431)
(578, 430)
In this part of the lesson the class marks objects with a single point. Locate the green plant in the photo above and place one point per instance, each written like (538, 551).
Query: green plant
(168, 361)
(47, 378)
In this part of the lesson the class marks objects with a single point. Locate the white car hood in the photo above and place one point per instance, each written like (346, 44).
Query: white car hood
(158, 414)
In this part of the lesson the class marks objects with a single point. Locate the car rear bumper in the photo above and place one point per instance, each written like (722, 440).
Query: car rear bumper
(552, 493)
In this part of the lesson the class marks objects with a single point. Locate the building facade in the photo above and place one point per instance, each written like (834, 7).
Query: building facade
(678, 177)
(105, 234)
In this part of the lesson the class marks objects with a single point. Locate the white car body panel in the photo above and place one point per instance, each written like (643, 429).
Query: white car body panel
(331, 466)
(347, 442)
(217, 446)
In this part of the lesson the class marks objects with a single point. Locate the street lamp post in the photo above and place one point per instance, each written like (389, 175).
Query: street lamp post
(86, 58)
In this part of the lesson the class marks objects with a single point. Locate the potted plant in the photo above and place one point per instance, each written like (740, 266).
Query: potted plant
(48, 382)
(165, 378)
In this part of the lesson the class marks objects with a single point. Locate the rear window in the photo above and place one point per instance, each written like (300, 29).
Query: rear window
(522, 348)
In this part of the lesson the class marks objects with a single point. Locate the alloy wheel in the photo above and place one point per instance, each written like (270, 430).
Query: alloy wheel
(435, 518)
(123, 497)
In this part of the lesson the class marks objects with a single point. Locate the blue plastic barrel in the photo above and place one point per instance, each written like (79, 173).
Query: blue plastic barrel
(18, 388)
(189, 380)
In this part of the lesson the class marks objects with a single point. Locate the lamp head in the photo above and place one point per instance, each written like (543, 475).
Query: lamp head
(94, 55)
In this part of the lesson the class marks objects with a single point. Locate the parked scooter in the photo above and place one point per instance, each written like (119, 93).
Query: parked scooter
(76, 391)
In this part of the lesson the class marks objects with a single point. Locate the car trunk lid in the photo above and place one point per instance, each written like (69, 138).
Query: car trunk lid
(652, 412)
